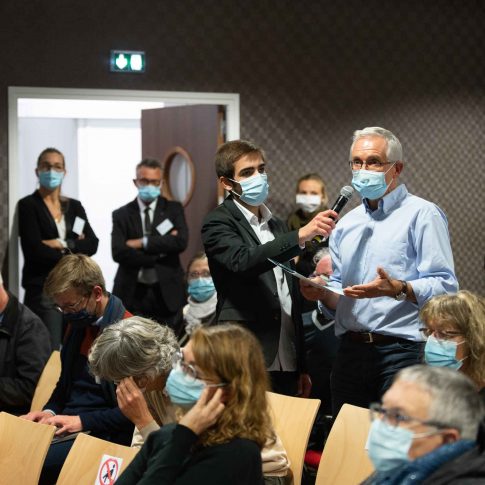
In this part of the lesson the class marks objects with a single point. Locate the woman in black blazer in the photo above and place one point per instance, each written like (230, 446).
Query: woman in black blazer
(50, 225)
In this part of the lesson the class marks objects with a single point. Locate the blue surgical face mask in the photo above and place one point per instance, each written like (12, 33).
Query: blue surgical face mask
(388, 446)
(442, 353)
(148, 193)
(370, 185)
(183, 389)
(81, 318)
(50, 179)
(255, 189)
(201, 289)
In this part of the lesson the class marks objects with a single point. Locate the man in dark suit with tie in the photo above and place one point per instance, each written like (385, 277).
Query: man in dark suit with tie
(239, 236)
(148, 235)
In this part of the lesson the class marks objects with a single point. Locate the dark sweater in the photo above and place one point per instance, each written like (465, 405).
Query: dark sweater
(169, 456)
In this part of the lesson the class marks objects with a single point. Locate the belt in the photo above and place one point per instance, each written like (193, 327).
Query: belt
(372, 338)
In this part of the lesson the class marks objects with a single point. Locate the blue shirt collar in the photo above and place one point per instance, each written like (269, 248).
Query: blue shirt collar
(389, 201)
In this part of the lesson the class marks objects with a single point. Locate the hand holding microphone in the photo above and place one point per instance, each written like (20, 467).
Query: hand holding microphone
(322, 224)
(320, 227)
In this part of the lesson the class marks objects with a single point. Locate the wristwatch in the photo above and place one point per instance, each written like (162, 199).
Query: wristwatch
(402, 295)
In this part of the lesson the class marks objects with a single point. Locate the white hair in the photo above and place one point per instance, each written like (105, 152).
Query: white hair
(133, 347)
(394, 148)
(455, 401)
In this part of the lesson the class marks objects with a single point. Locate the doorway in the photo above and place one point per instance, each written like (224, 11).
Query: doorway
(101, 131)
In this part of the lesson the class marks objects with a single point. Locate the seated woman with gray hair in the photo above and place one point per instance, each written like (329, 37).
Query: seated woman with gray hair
(138, 354)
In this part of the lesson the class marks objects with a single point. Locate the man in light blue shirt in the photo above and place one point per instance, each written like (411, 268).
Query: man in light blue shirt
(390, 255)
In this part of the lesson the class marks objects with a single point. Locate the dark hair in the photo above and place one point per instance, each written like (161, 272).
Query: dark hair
(229, 153)
(149, 163)
(51, 150)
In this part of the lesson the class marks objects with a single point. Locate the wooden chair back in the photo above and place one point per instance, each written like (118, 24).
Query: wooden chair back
(344, 459)
(84, 461)
(47, 381)
(23, 448)
(293, 418)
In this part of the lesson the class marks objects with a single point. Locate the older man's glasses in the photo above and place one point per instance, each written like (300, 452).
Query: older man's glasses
(395, 418)
(145, 182)
(369, 164)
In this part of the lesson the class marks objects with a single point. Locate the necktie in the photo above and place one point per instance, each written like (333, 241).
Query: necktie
(147, 230)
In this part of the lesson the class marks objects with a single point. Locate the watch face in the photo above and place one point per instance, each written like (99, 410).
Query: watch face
(400, 296)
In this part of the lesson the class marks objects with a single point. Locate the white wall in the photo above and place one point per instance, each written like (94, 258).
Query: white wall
(108, 153)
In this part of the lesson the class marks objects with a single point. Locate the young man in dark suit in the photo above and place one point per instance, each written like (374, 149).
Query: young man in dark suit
(148, 235)
(239, 236)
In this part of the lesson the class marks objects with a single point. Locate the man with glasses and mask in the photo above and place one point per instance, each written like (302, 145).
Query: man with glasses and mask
(390, 255)
(239, 236)
(149, 233)
(79, 403)
(427, 430)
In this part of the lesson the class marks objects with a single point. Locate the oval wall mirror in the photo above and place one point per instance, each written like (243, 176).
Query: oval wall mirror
(178, 176)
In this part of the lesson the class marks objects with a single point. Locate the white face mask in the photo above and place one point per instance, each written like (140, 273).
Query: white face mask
(308, 203)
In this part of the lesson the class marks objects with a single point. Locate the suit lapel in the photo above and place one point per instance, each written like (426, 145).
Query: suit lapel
(135, 218)
(159, 214)
(239, 216)
(44, 209)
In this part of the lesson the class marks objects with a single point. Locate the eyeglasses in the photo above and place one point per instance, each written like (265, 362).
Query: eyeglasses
(46, 167)
(394, 418)
(439, 334)
(369, 164)
(145, 182)
(199, 274)
(69, 308)
(188, 369)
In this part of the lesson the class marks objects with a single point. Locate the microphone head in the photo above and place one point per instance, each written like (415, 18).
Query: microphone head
(347, 191)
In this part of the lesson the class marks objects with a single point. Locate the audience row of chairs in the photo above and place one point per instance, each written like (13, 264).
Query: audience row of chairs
(344, 460)
(24, 446)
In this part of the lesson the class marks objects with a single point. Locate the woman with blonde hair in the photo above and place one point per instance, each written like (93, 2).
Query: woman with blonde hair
(219, 383)
(455, 328)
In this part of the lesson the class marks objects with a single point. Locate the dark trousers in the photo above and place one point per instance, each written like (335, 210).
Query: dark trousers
(284, 382)
(148, 302)
(56, 456)
(363, 372)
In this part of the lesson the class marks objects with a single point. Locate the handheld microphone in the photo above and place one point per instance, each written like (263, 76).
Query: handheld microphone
(345, 195)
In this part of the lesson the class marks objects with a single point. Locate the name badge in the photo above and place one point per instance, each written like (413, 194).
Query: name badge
(78, 226)
(164, 227)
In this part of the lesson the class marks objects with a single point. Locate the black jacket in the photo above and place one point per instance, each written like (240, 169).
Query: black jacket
(37, 224)
(24, 349)
(161, 253)
(170, 456)
(244, 278)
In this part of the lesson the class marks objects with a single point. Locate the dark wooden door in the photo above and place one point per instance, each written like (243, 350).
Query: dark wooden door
(191, 133)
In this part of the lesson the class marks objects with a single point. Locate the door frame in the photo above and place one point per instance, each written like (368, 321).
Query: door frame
(15, 93)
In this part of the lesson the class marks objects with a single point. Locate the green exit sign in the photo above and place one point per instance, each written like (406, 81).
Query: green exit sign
(127, 61)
